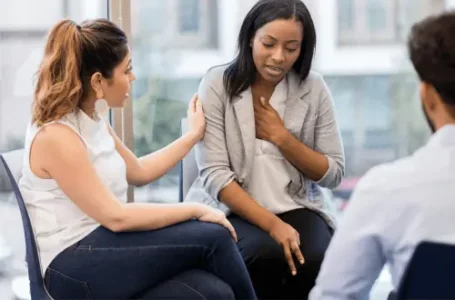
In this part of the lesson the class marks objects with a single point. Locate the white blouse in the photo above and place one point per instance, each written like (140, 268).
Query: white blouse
(270, 178)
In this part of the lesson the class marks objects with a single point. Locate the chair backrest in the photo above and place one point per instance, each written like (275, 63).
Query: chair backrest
(430, 273)
(14, 160)
(188, 166)
(37, 288)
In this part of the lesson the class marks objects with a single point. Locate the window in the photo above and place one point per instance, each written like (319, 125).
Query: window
(24, 25)
(189, 15)
(346, 15)
(160, 92)
(187, 24)
(380, 21)
(410, 11)
(363, 21)
(377, 15)
(377, 114)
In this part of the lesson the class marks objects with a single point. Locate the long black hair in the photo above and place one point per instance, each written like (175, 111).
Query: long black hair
(241, 72)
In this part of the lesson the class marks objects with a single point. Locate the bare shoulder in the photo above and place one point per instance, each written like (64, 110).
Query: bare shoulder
(56, 143)
(57, 135)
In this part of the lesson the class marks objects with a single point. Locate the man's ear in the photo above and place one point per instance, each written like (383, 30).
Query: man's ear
(428, 95)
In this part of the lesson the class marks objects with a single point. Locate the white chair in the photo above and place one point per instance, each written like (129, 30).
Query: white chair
(188, 166)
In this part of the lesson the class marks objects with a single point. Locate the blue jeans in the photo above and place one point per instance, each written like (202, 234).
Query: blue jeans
(190, 260)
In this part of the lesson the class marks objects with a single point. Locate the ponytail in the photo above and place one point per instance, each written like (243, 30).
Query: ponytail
(59, 88)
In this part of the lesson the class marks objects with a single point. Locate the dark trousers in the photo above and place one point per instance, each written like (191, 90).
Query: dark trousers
(265, 260)
(191, 260)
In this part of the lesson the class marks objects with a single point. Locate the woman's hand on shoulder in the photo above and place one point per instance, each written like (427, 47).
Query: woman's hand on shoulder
(196, 118)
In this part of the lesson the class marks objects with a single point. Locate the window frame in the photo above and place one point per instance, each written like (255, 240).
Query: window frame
(398, 20)
(119, 12)
(360, 33)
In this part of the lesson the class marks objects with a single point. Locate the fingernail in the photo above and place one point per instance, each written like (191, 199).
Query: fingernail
(302, 262)
(294, 273)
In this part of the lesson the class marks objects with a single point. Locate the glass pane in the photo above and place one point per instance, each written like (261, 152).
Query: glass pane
(160, 92)
(346, 14)
(22, 37)
(377, 15)
(154, 20)
(189, 15)
(409, 12)
(367, 21)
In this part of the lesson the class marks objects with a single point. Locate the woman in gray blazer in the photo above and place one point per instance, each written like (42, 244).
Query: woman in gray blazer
(271, 137)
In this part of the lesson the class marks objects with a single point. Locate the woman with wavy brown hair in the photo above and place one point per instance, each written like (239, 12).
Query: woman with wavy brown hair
(92, 244)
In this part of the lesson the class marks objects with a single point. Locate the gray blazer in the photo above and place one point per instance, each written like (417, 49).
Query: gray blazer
(226, 152)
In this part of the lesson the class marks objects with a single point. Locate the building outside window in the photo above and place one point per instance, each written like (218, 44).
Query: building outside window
(380, 21)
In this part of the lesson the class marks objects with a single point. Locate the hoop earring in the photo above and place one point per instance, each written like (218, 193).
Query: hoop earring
(101, 106)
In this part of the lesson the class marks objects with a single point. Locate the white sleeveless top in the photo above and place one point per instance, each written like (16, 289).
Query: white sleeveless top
(57, 222)
(270, 178)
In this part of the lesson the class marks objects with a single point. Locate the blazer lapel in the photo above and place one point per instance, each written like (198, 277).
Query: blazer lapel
(296, 107)
(244, 111)
(294, 115)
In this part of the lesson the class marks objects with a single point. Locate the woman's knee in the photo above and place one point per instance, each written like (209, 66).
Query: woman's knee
(205, 285)
(216, 288)
(269, 258)
(265, 250)
(309, 271)
(215, 233)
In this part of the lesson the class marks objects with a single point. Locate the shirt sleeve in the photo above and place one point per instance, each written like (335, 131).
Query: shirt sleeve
(355, 256)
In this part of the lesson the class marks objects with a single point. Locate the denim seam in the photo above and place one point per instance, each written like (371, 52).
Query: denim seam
(90, 248)
(211, 254)
(186, 285)
(85, 285)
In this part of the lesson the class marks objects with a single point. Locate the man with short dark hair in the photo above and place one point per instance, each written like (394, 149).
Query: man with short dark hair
(397, 205)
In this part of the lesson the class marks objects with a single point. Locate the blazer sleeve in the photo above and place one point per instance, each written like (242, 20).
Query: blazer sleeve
(211, 152)
(328, 139)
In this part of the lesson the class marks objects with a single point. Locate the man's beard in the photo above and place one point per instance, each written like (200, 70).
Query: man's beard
(430, 123)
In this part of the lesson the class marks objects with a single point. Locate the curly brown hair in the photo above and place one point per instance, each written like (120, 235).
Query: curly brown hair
(73, 53)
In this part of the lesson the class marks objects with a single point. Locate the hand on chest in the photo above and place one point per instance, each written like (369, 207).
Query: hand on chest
(268, 113)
